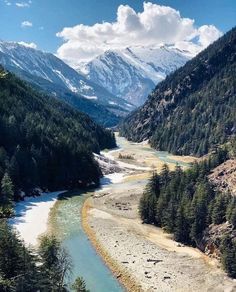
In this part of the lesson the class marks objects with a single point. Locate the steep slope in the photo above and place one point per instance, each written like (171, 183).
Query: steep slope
(132, 73)
(50, 73)
(193, 109)
(224, 177)
(98, 112)
(44, 142)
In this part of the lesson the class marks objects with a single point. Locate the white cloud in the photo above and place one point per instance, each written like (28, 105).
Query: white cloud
(28, 45)
(155, 25)
(26, 23)
(8, 3)
(208, 34)
(23, 4)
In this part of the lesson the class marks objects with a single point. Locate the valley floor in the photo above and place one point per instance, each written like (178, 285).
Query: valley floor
(143, 253)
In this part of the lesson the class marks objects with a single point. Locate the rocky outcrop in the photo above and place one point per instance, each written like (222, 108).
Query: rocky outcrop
(107, 165)
(212, 237)
(224, 177)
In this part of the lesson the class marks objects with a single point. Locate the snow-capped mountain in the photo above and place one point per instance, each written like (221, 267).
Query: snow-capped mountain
(132, 73)
(51, 73)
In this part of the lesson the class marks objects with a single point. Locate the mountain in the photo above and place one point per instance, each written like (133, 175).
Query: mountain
(132, 73)
(51, 74)
(45, 142)
(192, 110)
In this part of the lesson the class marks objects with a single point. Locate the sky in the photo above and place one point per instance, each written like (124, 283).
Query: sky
(82, 29)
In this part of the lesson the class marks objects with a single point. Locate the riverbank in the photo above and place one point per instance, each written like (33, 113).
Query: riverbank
(120, 273)
(145, 252)
(31, 216)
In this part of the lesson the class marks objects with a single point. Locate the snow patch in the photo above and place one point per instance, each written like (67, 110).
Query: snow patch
(91, 97)
(32, 216)
(66, 81)
(112, 103)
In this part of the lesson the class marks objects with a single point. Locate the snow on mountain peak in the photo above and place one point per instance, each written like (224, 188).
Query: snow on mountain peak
(132, 72)
(36, 66)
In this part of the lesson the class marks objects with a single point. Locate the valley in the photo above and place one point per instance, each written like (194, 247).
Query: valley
(117, 146)
(146, 257)
(141, 257)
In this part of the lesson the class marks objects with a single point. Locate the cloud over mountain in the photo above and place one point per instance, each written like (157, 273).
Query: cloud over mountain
(154, 25)
(28, 45)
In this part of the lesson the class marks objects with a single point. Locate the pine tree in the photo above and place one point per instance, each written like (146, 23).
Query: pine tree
(199, 211)
(231, 211)
(228, 249)
(148, 201)
(169, 217)
(17, 264)
(79, 285)
(165, 175)
(56, 263)
(219, 209)
(181, 233)
(7, 190)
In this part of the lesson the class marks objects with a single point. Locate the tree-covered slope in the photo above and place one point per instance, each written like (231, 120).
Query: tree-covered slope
(193, 109)
(44, 142)
(98, 112)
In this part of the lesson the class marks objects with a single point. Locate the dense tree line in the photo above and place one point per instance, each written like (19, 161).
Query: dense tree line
(44, 142)
(193, 110)
(185, 203)
(24, 270)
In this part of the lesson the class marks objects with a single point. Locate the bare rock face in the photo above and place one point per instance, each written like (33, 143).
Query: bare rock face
(210, 244)
(224, 179)
(107, 165)
(224, 176)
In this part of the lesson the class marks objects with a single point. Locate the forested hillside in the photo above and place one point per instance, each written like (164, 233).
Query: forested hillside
(44, 142)
(96, 111)
(194, 109)
(187, 204)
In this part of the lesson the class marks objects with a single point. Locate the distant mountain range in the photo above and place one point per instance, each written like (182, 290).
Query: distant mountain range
(132, 73)
(193, 109)
(107, 88)
(51, 74)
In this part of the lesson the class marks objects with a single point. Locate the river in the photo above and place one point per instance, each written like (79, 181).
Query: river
(86, 262)
(67, 222)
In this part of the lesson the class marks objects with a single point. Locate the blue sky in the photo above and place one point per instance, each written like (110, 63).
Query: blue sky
(50, 16)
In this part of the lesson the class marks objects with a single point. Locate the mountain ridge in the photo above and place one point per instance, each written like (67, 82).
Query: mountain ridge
(132, 73)
(192, 110)
(49, 72)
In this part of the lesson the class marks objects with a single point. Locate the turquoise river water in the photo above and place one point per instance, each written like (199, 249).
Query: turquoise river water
(86, 262)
